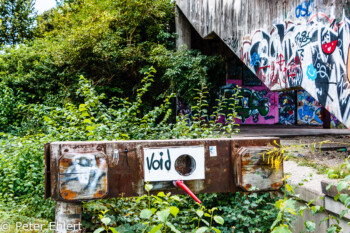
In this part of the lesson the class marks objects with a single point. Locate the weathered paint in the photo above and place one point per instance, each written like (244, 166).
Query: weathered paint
(309, 110)
(83, 175)
(125, 174)
(287, 44)
(257, 105)
(287, 107)
(67, 218)
(253, 170)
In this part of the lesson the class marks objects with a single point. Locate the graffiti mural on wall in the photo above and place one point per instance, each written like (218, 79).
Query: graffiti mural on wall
(254, 105)
(309, 110)
(287, 107)
(313, 55)
(335, 123)
(257, 105)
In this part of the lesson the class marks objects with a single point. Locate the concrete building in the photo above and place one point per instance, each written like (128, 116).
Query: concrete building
(289, 57)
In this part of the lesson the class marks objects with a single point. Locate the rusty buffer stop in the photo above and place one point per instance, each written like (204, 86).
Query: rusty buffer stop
(81, 171)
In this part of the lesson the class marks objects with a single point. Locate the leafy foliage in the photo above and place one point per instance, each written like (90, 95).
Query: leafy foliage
(16, 21)
(240, 213)
(22, 163)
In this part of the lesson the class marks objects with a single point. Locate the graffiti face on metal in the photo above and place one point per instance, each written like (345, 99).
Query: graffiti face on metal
(83, 176)
(170, 164)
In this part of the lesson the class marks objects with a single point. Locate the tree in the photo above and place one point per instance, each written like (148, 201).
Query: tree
(16, 21)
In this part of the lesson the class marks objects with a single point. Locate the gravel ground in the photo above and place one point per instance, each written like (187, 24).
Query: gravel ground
(300, 173)
(330, 157)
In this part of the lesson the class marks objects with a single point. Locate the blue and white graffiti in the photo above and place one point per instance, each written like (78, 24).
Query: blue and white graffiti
(312, 55)
(304, 9)
(83, 176)
(309, 110)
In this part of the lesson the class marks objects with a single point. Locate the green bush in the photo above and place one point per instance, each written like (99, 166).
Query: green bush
(22, 157)
(241, 212)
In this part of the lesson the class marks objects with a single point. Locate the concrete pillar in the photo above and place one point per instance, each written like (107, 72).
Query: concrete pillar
(68, 218)
(183, 29)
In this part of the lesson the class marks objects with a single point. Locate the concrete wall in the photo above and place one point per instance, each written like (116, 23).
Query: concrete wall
(287, 44)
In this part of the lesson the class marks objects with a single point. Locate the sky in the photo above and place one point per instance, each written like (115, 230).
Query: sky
(43, 5)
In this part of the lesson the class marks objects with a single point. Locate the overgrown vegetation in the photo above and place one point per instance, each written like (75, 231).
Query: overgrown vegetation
(112, 44)
(241, 212)
(108, 70)
(97, 70)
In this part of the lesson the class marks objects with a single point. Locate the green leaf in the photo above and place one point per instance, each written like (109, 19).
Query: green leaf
(311, 201)
(280, 204)
(161, 194)
(87, 121)
(347, 202)
(82, 107)
(216, 230)
(310, 226)
(146, 213)
(205, 222)
(141, 198)
(176, 198)
(200, 213)
(148, 187)
(324, 219)
(332, 229)
(219, 220)
(85, 114)
(301, 210)
(336, 197)
(163, 215)
(343, 212)
(113, 230)
(342, 185)
(289, 188)
(99, 230)
(172, 227)
(156, 228)
(202, 230)
(281, 229)
(105, 220)
(174, 211)
(329, 186)
(291, 211)
(316, 209)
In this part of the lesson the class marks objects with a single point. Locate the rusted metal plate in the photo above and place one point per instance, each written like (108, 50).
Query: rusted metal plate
(253, 169)
(125, 161)
(83, 176)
